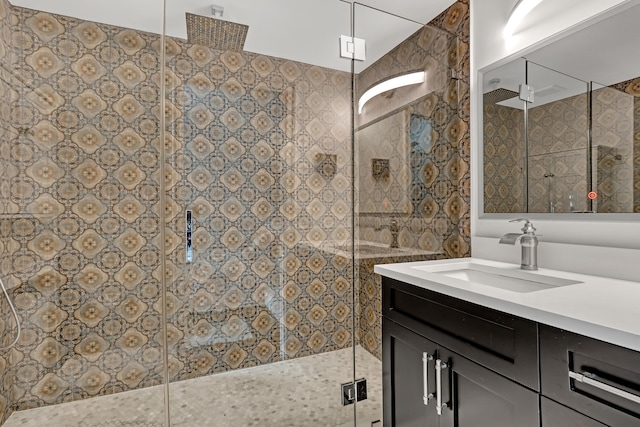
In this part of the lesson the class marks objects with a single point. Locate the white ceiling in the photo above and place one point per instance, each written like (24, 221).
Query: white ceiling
(605, 52)
(301, 30)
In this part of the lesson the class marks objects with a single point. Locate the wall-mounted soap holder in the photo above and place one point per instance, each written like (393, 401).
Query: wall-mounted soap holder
(380, 168)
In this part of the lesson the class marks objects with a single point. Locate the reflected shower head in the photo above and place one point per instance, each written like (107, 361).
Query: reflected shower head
(498, 95)
(216, 33)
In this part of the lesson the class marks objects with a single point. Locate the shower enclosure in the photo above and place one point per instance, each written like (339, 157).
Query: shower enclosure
(188, 230)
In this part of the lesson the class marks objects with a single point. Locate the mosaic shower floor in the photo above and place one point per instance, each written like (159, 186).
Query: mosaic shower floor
(296, 393)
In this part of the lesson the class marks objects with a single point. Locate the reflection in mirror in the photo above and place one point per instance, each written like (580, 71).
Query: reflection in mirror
(576, 147)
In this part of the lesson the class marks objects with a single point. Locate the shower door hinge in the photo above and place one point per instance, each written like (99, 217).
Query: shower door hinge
(350, 392)
(526, 93)
(353, 48)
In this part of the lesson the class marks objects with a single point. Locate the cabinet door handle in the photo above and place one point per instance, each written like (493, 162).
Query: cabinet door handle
(587, 378)
(440, 365)
(426, 358)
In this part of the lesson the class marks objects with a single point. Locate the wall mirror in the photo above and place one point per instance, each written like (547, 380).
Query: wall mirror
(561, 125)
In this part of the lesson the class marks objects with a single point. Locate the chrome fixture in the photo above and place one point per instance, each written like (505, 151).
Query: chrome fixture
(528, 241)
(426, 396)
(394, 229)
(440, 405)
(188, 236)
(216, 32)
(589, 378)
(15, 316)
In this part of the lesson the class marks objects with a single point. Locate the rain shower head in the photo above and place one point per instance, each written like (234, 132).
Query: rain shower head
(216, 33)
(498, 95)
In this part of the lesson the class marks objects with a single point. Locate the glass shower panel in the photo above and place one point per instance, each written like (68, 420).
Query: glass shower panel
(258, 153)
(81, 216)
(557, 146)
(614, 140)
(503, 139)
(407, 168)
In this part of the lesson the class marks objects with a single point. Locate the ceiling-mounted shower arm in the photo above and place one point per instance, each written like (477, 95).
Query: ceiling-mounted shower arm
(217, 11)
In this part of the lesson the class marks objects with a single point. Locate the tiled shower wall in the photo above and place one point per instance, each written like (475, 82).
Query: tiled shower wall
(261, 153)
(257, 148)
(558, 133)
(503, 159)
(7, 326)
(632, 87)
(558, 140)
(434, 215)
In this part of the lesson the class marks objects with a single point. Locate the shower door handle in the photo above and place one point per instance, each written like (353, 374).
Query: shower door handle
(188, 231)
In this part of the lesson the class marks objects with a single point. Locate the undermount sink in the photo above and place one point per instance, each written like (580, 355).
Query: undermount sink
(514, 280)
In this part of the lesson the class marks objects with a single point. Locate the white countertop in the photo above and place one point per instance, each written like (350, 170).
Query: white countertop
(599, 307)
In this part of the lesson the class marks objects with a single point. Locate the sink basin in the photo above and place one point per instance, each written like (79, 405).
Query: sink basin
(514, 280)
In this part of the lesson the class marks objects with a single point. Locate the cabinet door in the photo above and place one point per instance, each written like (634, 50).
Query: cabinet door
(554, 415)
(596, 378)
(403, 378)
(478, 397)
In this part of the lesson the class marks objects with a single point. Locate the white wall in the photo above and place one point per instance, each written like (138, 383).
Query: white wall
(548, 21)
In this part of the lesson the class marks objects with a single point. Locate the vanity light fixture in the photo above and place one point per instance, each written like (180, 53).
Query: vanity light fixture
(394, 83)
(519, 12)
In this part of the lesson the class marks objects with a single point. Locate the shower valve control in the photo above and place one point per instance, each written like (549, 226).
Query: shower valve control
(188, 232)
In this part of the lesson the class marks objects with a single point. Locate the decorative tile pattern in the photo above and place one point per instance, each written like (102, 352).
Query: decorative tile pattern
(257, 147)
(503, 158)
(632, 87)
(558, 160)
(437, 157)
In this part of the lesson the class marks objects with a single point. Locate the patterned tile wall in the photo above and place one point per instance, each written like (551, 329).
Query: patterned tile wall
(558, 161)
(613, 142)
(258, 149)
(438, 217)
(6, 324)
(632, 87)
(260, 152)
(558, 140)
(503, 159)
(248, 142)
(558, 136)
(86, 241)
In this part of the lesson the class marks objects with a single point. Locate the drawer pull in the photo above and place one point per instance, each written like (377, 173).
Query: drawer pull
(586, 379)
(440, 365)
(426, 358)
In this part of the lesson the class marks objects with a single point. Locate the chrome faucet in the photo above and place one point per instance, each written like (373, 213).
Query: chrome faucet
(394, 229)
(528, 241)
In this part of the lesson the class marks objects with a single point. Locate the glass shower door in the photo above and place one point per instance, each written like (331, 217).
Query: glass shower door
(258, 155)
(407, 158)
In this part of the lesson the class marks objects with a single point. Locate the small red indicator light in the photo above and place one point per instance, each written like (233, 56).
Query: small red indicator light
(592, 195)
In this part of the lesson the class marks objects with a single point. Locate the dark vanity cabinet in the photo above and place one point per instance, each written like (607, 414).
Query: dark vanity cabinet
(449, 362)
(446, 362)
(597, 379)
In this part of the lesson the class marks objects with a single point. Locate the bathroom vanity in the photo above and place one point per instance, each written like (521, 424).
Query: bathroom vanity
(471, 342)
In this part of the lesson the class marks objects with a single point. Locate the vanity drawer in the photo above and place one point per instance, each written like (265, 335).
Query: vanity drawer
(599, 379)
(501, 342)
